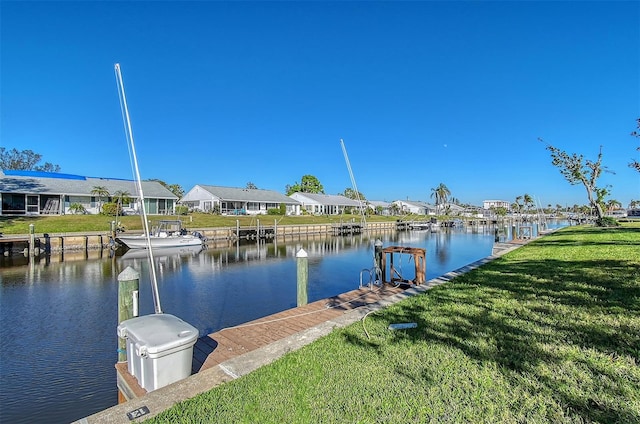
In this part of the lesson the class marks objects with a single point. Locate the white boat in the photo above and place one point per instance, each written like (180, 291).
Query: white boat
(167, 233)
(420, 225)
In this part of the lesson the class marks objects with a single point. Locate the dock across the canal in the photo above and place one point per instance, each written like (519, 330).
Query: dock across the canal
(347, 228)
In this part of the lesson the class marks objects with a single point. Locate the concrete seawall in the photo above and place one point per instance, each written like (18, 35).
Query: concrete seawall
(95, 241)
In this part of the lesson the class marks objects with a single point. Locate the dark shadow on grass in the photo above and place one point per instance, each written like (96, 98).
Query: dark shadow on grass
(362, 342)
(574, 237)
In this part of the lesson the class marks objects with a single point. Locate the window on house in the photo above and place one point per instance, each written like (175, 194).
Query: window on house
(13, 203)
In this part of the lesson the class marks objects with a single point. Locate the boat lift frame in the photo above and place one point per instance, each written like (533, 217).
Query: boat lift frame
(419, 259)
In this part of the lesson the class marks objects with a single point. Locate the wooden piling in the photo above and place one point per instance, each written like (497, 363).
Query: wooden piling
(377, 253)
(128, 286)
(303, 276)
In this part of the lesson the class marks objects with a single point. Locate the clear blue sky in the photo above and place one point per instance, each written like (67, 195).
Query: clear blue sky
(423, 93)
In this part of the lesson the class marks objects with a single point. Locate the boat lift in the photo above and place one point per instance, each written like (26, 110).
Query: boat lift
(418, 255)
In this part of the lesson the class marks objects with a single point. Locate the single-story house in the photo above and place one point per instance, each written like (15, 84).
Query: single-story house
(53, 193)
(451, 209)
(325, 204)
(380, 207)
(633, 212)
(414, 207)
(488, 204)
(617, 213)
(237, 201)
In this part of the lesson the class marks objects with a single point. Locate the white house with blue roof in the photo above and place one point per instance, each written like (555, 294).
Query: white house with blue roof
(52, 193)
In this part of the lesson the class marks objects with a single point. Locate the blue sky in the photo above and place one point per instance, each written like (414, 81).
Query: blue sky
(422, 93)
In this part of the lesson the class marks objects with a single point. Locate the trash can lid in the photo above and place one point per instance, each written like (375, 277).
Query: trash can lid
(158, 332)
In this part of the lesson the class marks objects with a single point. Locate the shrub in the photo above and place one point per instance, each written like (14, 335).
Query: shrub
(182, 210)
(607, 221)
(274, 211)
(111, 209)
(77, 208)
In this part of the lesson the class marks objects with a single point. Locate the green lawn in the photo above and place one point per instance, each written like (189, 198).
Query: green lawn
(548, 333)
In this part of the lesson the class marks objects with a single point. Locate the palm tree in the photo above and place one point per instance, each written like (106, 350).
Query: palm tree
(441, 194)
(517, 206)
(121, 197)
(613, 204)
(500, 211)
(101, 192)
(528, 202)
(77, 208)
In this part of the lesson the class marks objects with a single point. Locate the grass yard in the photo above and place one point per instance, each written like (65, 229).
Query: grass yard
(549, 333)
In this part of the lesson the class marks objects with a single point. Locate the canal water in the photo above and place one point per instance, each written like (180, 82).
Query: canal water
(59, 317)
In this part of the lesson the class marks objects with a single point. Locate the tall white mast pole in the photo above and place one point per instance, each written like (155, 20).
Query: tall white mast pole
(353, 182)
(145, 222)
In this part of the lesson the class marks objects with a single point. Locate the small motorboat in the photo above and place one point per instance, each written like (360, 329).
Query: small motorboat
(166, 233)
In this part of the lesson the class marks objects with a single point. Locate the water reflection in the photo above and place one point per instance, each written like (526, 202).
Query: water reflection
(442, 246)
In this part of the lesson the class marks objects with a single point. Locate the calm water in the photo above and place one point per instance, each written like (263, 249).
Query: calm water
(59, 319)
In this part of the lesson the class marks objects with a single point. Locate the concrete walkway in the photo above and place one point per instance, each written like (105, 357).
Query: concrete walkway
(231, 353)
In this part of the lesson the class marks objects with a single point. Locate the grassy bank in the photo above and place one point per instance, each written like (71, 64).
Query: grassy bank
(83, 223)
(548, 333)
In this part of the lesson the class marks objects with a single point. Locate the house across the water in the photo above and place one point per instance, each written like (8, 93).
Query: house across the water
(52, 193)
(414, 207)
(380, 207)
(326, 204)
(237, 201)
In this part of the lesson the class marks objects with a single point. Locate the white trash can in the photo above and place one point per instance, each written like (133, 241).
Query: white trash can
(159, 349)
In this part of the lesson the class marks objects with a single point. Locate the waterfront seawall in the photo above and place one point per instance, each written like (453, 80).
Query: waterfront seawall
(91, 242)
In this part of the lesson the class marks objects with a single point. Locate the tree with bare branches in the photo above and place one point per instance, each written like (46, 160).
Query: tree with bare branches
(577, 170)
(635, 164)
(25, 160)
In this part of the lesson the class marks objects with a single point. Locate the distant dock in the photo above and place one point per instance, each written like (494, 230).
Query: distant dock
(347, 228)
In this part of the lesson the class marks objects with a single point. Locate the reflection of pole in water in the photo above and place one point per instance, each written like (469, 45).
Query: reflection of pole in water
(442, 248)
